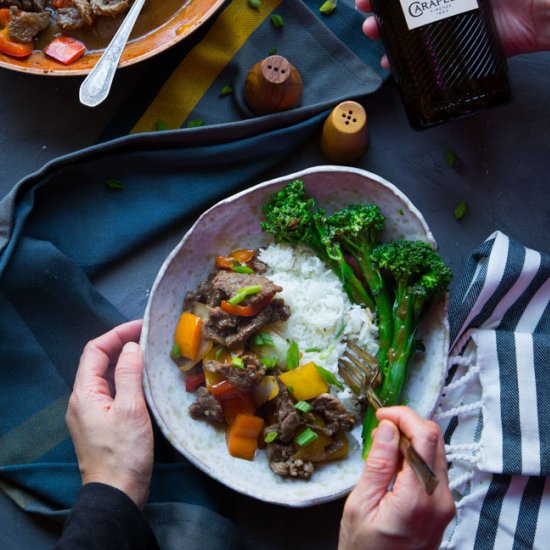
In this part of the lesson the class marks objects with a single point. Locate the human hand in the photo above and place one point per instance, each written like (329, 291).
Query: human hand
(107, 415)
(523, 25)
(405, 517)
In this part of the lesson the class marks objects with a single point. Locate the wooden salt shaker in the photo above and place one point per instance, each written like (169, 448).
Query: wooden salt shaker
(273, 85)
(345, 137)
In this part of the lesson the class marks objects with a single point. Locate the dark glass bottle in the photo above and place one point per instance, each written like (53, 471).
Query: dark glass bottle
(447, 63)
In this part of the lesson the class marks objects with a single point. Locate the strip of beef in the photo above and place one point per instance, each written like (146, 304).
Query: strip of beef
(279, 310)
(23, 26)
(258, 266)
(288, 418)
(109, 7)
(336, 416)
(230, 283)
(231, 331)
(246, 378)
(27, 5)
(206, 406)
(293, 468)
(204, 293)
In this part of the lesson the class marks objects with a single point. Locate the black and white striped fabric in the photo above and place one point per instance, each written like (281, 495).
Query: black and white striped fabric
(495, 407)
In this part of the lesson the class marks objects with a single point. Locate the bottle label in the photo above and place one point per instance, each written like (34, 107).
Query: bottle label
(421, 12)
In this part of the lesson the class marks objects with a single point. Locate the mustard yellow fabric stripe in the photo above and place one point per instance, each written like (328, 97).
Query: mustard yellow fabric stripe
(196, 73)
(36, 436)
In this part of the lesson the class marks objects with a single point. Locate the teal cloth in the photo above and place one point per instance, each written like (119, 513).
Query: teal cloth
(62, 230)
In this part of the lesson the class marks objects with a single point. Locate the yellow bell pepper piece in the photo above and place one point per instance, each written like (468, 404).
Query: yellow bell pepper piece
(305, 382)
(189, 335)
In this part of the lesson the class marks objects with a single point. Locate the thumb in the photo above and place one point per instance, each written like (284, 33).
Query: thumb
(129, 373)
(381, 464)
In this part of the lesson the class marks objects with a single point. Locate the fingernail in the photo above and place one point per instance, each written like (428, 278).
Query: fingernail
(385, 432)
(131, 347)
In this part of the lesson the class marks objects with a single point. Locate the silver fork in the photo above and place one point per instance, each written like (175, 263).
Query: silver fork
(361, 372)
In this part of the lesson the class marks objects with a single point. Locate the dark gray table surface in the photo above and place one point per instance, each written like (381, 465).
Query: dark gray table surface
(503, 175)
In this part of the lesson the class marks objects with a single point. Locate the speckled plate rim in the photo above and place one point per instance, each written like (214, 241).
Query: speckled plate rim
(439, 317)
(163, 37)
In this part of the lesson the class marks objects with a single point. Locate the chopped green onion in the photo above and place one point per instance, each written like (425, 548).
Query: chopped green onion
(273, 50)
(237, 362)
(114, 185)
(242, 293)
(306, 437)
(340, 331)
(460, 211)
(218, 352)
(160, 125)
(194, 123)
(263, 339)
(277, 20)
(270, 437)
(401, 211)
(451, 158)
(254, 4)
(176, 352)
(240, 268)
(269, 363)
(226, 90)
(328, 7)
(303, 406)
(329, 378)
(290, 389)
(292, 356)
(312, 350)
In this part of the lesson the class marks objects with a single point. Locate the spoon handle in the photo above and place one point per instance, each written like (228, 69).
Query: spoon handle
(97, 84)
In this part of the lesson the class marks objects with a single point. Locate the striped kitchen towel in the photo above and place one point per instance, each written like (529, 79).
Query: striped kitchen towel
(493, 410)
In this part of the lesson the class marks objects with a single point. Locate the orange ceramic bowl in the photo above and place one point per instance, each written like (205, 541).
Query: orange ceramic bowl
(187, 19)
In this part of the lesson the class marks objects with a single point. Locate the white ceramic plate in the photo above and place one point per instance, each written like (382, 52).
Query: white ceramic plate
(234, 223)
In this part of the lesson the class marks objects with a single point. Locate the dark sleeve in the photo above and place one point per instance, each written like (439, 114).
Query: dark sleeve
(105, 518)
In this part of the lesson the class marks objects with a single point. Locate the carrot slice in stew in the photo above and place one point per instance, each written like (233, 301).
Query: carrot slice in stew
(65, 49)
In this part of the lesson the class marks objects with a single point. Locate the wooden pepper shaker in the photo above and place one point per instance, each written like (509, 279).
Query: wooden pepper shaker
(345, 137)
(273, 85)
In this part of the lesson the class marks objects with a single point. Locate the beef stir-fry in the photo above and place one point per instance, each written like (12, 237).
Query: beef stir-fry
(225, 344)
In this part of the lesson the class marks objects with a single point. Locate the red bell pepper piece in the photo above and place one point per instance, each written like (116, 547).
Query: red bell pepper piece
(65, 49)
(193, 381)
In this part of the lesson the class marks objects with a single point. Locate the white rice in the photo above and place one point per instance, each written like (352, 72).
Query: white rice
(321, 312)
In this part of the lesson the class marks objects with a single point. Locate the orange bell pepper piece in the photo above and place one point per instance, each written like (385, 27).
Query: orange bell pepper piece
(242, 436)
(189, 335)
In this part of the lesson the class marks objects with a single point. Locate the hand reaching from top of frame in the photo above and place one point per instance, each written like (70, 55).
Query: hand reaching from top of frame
(523, 25)
(107, 415)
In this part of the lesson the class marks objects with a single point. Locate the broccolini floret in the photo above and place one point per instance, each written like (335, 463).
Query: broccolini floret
(418, 276)
(292, 217)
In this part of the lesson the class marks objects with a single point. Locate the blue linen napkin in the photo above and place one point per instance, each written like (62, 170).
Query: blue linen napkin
(62, 229)
(493, 409)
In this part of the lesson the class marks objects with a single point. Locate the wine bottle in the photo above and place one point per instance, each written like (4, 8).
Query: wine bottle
(446, 57)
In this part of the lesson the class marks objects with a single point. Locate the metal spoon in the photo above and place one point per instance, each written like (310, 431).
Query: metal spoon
(97, 84)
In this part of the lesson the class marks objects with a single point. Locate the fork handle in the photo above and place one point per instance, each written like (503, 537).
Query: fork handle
(424, 473)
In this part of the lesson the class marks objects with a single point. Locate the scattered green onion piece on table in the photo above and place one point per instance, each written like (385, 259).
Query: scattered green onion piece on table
(241, 294)
(256, 4)
(114, 185)
(160, 125)
(277, 20)
(460, 211)
(306, 437)
(226, 90)
(272, 50)
(270, 437)
(194, 123)
(176, 351)
(451, 158)
(303, 406)
(329, 378)
(237, 362)
(292, 356)
(328, 7)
